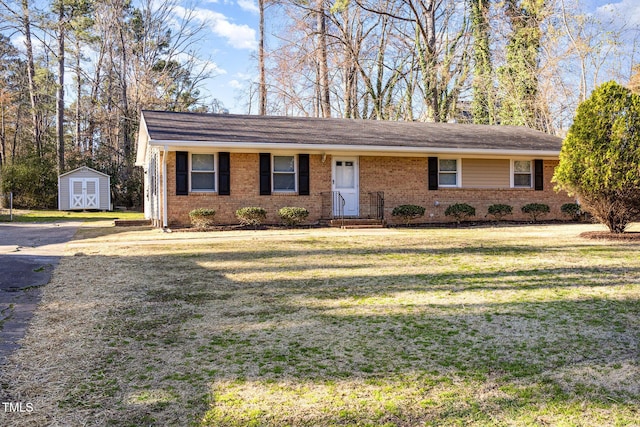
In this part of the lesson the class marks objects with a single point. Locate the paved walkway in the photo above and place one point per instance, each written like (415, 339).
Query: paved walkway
(28, 255)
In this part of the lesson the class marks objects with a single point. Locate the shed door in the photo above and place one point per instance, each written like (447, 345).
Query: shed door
(85, 193)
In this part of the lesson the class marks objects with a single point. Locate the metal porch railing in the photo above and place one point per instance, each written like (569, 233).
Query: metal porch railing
(376, 205)
(333, 205)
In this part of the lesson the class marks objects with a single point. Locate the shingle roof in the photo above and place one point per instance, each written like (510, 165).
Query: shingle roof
(230, 128)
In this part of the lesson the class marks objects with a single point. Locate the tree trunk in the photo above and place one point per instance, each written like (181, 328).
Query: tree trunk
(3, 136)
(482, 103)
(79, 143)
(124, 119)
(263, 84)
(323, 67)
(26, 23)
(431, 60)
(93, 100)
(60, 91)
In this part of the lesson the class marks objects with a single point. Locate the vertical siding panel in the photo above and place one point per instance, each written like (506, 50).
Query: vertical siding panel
(485, 173)
(63, 193)
(104, 192)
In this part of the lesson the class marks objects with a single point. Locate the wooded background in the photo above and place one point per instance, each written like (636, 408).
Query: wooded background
(508, 62)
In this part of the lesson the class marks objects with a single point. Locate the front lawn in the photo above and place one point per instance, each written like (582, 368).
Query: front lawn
(24, 215)
(404, 327)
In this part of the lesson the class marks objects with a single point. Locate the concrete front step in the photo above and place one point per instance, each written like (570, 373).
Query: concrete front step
(349, 223)
(131, 222)
(353, 227)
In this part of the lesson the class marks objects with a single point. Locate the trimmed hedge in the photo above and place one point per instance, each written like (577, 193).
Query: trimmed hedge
(251, 215)
(460, 211)
(293, 216)
(408, 212)
(499, 211)
(572, 210)
(202, 218)
(535, 210)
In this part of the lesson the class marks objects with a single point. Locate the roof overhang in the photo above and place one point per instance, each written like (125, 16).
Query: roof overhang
(84, 168)
(381, 150)
(142, 143)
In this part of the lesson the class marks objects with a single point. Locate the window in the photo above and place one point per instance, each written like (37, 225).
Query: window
(203, 176)
(522, 173)
(284, 173)
(448, 172)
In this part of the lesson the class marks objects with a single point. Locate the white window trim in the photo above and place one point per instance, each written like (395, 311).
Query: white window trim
(458, 172)
(295, 173)
(512, 173)
(214, 171)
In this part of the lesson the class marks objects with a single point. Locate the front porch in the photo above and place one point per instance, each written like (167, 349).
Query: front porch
(370, 212)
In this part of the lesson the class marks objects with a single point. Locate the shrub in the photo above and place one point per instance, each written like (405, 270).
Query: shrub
(292, 216)
(499, 211)
(202, 217)
(535, 210)
(251, 216)
(600, 156)
(460, 211)
(571, 210)
(408, 212)
(32, 180)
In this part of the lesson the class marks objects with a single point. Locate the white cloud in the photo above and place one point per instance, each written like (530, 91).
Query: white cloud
(214, 69)
(236, 84)
(249, 6)
(245, 76)
(238, 36)
(622, 12)
(202, 65)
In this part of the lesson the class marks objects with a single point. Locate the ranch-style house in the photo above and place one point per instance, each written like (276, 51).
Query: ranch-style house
(339, 168)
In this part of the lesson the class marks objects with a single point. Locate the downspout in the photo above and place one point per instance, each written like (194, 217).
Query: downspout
(165, 222)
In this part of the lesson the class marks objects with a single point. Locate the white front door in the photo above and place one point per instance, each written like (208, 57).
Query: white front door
(345, 181)
(84, 193)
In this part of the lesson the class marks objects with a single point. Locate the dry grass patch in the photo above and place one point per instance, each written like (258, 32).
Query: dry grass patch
(518, 325)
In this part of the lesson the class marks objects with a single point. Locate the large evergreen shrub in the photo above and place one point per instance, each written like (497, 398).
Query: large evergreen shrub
(600, 156)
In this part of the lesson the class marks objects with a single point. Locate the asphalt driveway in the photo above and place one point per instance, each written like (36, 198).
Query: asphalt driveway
(28, 255)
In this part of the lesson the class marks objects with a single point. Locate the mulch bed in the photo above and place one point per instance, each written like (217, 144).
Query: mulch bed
(606, 235)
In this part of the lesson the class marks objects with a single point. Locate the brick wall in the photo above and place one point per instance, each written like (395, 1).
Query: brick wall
(402, 179)
(245, 191)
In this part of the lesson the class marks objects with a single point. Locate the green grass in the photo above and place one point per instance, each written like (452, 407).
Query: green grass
(489, 326)
(35, 216)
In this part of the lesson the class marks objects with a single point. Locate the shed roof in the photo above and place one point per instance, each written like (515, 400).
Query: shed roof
(173, 129)
(83, 168)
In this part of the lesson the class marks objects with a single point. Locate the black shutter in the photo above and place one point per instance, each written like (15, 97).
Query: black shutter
(265, 174)
(433, 173)
(182, 173)
(224, 174)
(538, 175)
(303, 174)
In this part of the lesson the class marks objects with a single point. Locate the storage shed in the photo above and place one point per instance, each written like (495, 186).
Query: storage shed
(84, 188)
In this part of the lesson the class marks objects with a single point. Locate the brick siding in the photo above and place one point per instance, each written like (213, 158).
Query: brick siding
(402, 179)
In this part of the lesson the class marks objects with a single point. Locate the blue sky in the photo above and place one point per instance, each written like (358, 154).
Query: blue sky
(230, 43)
(232, 35)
